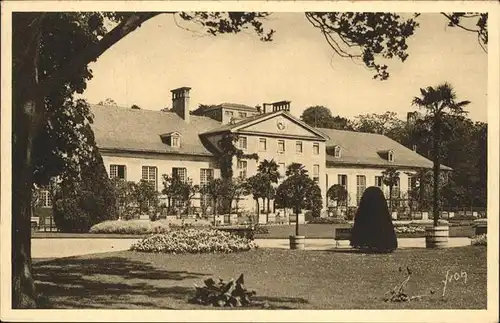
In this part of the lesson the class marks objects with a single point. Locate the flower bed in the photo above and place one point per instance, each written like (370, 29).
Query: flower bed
(193, 241)
(480, 240)
(409, 229)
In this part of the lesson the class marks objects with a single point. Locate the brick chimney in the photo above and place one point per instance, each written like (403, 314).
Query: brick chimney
(267, 107)
(180, 102)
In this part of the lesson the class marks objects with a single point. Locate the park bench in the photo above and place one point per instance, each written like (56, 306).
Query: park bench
(342, 233)
(480, 226)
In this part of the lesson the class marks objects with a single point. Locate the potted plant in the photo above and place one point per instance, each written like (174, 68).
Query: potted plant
(438, 102)
(298, 191)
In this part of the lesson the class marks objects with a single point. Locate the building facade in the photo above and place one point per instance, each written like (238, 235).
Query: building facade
(142, 144)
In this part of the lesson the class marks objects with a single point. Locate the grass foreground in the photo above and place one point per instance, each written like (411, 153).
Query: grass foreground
(283, 279)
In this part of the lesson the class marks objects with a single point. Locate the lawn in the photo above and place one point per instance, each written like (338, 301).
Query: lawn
(326, 231)
(283, 279)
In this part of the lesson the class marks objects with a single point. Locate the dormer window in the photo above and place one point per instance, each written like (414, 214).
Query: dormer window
(387, 155)
(176, 141)
(390, 156)
(336, 151)
(172, 139)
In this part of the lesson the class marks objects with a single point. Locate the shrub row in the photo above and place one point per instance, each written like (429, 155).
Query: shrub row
(131, 227)
(145, 226)
(193, 241)
(327, 221)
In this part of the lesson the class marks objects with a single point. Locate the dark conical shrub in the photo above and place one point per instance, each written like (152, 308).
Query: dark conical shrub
(373, 229)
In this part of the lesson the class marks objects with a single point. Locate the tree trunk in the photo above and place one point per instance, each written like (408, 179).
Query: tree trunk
(258, 209)
(267, 209)
(215, 212)
(297, 222)
(436, 160)
(422, 192)
(25, 123)
(390, 199)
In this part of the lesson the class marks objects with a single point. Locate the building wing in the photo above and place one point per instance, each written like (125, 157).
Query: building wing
(368, 149)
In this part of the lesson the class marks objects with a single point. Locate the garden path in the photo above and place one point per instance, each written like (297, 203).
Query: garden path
(69, 247)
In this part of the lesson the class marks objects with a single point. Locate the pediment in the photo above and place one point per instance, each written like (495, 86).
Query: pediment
(281, 124)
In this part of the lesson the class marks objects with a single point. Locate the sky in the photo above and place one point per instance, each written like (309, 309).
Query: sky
(298, 65)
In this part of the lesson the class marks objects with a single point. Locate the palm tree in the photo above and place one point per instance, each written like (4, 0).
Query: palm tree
(269, 169)
(255, 186)
(438, 102)
(296, 169)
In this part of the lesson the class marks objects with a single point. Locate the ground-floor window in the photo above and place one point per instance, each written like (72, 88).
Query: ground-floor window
(342, 180)
(118, 171)
(316, 173)
(149, 174)
(180, 173)
(45, 199)
(360, 187)
(242, 168)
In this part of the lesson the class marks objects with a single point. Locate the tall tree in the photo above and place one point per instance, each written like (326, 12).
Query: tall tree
(437, 102)
(296, 169)
(51, 53)
(321, 117)
(256, 186)
(387, 124)
(269, 170)
(297, 191)
(216, 190)
(108, 102)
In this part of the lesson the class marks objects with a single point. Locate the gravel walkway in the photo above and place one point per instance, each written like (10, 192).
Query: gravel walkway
(59, 248)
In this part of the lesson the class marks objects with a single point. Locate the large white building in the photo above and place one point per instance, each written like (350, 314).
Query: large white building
(142, 144)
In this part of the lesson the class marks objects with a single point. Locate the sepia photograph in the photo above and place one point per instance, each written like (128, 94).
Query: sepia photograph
(178, 158)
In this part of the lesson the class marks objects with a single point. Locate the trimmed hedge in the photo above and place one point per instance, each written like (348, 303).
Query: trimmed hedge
(328, 221)
(131, 227)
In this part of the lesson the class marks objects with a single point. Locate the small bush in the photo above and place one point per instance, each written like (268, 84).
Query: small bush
(81, 203)
(231, 294)
(351, 212)
(69, 216)
(328, 221)
(480, 240)
(193, 241)
(131, 227)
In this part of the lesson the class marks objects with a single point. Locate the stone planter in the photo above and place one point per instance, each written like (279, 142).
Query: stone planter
(297, 242)
(437, 237)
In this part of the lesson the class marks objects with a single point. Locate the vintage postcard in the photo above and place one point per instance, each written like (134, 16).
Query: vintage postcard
(250, 161)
